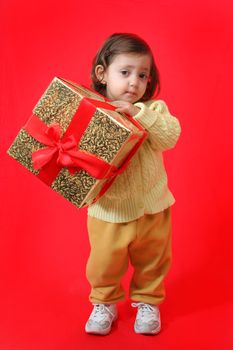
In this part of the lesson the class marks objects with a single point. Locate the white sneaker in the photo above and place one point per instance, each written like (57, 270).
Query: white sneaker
(147, 319)
(101, 318)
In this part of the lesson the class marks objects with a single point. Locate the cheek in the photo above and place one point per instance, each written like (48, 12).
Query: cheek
(116, 84)
(144, 86)
(112, 81)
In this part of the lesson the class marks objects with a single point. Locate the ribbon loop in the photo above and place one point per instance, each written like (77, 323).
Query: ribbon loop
(54, 132)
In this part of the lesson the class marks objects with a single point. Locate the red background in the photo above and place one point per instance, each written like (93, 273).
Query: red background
(44, 245)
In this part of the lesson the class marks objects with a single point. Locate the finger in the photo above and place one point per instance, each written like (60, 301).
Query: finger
(121, 110)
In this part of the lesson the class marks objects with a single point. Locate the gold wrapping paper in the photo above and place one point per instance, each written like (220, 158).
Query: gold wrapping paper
(107, 136)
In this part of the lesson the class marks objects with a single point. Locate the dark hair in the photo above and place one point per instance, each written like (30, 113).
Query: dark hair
(119, 43)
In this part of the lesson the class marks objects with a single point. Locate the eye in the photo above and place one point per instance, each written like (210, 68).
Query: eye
(124, 72)
(143, 76)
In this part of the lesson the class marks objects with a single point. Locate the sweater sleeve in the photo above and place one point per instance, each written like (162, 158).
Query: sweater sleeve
(164, 129)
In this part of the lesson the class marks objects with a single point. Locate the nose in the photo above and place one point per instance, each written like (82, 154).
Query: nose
(133, 81)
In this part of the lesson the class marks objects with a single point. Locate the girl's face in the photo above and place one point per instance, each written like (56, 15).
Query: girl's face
(127, 77)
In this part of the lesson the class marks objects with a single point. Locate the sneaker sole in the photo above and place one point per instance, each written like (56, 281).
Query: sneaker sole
(147, 332)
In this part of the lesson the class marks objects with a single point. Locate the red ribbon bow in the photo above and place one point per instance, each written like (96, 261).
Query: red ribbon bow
(64, 151)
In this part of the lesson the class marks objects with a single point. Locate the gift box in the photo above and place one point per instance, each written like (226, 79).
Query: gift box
(76, 142)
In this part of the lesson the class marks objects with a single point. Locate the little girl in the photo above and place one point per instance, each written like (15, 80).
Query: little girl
(132, 221)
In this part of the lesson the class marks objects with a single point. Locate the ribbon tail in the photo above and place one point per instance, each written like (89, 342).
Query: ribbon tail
(96, 167)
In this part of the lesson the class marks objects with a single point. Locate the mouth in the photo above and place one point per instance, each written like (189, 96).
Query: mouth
(131, 94)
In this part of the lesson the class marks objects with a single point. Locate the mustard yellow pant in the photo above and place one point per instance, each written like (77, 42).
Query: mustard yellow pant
(145, 242)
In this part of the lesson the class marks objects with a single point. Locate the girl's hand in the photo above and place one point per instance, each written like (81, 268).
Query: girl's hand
(125, 107)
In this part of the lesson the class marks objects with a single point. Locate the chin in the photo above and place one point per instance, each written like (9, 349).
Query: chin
(134, 101)
(131, 100)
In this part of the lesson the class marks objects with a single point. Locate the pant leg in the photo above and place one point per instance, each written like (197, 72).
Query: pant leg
(150, 255)
(108, 260)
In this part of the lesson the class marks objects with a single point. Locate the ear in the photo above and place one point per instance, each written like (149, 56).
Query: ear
(99, 72)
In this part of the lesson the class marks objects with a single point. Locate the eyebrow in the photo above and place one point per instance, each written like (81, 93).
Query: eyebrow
(130, 66)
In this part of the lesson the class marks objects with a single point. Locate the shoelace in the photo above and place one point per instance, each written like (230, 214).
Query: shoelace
(146, 310)
(100, 310)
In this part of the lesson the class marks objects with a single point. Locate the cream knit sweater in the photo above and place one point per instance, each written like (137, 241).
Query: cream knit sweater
(142, 187)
